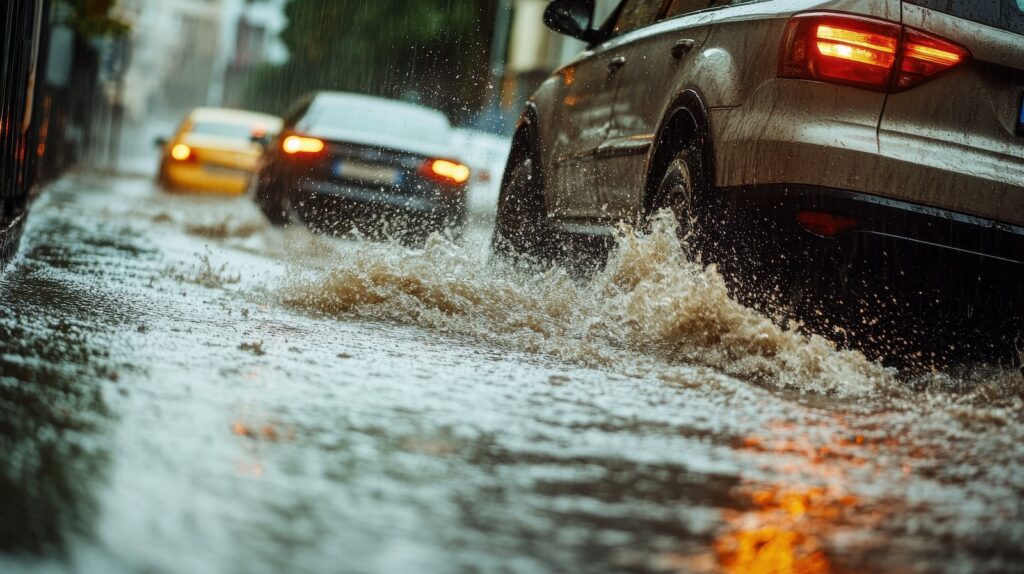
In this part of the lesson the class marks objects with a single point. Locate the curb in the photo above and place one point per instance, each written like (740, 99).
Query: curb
(10, 235)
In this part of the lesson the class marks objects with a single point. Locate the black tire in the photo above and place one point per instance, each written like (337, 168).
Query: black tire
(683, 188)
(520, 228)
(162, 181)
(274, 206)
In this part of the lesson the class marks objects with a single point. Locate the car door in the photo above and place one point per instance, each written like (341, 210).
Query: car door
(587, 94)
(659, 61)
(584, 108)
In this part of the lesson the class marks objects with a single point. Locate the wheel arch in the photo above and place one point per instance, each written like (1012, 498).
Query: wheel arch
(527, 120)
(685, 120)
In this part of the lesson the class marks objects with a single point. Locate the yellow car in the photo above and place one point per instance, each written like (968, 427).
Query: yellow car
(215, 150)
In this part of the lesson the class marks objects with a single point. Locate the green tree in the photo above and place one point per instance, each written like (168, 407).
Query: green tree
(91, 18)
(434, 50)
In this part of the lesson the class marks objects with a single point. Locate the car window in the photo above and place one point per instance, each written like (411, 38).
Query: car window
(295, 113)
(1004, 14)
(377, 116)
(680, 7)
(605, 10)
(222, 129)
(636, 14)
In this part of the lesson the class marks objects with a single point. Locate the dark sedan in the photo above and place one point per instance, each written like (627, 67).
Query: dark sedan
(345, 161)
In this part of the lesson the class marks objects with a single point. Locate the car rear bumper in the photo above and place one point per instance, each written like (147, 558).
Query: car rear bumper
(205, 178)
(920, 264)
(818, 134)
(343, 201)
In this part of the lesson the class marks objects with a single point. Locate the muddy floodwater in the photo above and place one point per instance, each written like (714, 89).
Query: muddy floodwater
(186, 389)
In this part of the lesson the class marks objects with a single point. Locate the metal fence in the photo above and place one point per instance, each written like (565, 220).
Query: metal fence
(22, 48)
(48, 88)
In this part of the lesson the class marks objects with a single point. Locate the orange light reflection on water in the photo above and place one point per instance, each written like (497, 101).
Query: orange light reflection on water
(782, 534)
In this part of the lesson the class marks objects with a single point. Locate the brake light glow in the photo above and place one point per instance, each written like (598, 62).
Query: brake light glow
(181, 152)
(863, 52)
(925, 55)
(864, 47)
(298, 144)
(446, 171)
(825, 224)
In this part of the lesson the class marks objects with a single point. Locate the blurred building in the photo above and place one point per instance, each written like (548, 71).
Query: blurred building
(51, 103)
(257, 26)
(525, 52)
(188, 53)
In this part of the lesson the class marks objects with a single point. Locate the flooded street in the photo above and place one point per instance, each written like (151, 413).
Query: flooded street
(186, 388)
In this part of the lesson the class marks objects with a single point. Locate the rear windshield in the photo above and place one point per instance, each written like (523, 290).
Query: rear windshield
(223, 129)
(381, 118)
(1004, 14)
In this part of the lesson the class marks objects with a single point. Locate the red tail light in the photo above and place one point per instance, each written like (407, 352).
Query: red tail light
(863, 52)
(445, 171)
(924, 56)
(825, 224)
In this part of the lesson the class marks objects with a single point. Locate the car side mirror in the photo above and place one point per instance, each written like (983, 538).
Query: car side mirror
(573, 18)
(160, 142)
(260, 139)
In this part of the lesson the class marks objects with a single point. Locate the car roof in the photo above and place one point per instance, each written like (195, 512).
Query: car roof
(229, 115)
(379, 122)
(376, 104)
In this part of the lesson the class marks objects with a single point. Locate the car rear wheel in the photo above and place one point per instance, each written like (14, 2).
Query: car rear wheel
(163, 182)
(521, 227)
(274, 206)
(682, 185)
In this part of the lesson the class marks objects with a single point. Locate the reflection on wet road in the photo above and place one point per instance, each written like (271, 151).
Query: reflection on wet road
(185, 389)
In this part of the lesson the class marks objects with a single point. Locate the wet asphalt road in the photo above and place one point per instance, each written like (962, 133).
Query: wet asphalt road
(185, 389)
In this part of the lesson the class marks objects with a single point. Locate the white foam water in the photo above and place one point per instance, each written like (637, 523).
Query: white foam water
(650, 308)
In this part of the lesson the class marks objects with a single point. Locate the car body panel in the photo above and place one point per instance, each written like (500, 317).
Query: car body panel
(929, 178)
(603, 180)
(953, 142)
(218, 163)
(585, 92)
(485, 153)
(767, 130)
(652, 66)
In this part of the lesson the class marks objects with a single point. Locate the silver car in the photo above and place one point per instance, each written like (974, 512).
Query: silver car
(842, 152)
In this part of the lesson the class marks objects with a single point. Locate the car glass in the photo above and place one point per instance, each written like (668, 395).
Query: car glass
(380, 118)
(1004, 14)
(680, 7)
(222, 129)
(637, 13)
(604, 11)
(295, 113)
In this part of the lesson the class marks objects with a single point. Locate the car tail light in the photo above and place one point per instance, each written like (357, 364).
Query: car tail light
(825, 224)
(294, 144)
(445, 171)
(925, 55)
(182, 152)
(863, 52)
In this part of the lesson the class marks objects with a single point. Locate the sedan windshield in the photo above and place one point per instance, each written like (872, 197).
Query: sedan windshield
(222, 129)
(379, 117)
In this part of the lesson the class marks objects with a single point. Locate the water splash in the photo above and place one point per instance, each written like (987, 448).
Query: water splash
(650, 308)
